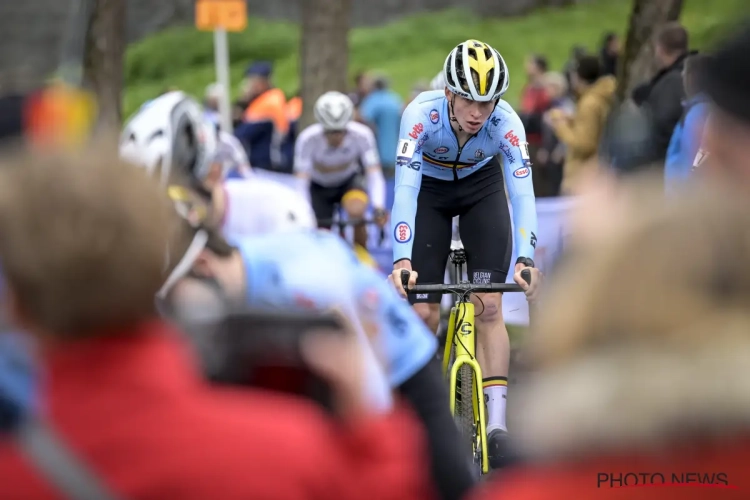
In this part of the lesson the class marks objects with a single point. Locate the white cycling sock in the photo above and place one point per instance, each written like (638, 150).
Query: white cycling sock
(495, 396)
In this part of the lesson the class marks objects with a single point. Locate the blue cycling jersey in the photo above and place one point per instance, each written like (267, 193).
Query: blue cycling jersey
(289, 271)
(428, 146)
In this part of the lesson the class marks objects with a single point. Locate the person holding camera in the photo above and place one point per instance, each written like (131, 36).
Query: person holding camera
(83, 256)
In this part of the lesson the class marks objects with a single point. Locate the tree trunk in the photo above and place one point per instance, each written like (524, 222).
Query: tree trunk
(103, 62)
(637, 63)
(324, 51)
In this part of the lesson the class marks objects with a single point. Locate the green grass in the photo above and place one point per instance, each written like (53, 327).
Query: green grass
(409, 50)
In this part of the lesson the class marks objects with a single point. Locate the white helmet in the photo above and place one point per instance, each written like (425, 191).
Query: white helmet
(334, 110)
(476, 71)
(438, 83)
(169, 135)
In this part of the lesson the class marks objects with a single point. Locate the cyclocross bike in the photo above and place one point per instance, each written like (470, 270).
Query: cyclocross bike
(460, 364)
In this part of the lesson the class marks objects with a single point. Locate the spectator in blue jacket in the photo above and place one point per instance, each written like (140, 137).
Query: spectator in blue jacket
(687, 134)
(381, 109)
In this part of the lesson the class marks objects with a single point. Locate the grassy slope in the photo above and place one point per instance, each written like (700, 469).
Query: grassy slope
(409, 50)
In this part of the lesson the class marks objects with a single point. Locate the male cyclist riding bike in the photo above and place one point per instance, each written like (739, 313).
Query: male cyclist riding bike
(445, 168)
(299, 269)
(330, 155)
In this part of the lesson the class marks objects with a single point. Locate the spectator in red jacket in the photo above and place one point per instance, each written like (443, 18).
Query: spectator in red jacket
(534, 98)
(640, 373)
(83, 254)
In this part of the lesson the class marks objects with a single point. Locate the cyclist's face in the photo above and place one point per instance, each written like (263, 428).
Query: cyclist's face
(471, 115)
(335, 137)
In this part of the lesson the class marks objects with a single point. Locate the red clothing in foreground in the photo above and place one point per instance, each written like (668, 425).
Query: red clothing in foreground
(579, 481)
(137, 411)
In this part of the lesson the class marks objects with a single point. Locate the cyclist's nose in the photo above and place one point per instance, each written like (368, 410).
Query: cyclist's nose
(475, 110)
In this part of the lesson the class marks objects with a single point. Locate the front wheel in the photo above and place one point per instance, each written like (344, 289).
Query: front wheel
(465, 418)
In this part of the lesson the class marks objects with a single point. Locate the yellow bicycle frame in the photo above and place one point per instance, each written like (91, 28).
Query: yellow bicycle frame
(466, 355)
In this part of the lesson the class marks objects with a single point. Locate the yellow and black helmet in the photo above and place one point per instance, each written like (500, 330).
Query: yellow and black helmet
(476, 71)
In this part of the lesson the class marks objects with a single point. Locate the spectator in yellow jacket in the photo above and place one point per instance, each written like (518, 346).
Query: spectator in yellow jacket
(582, 131)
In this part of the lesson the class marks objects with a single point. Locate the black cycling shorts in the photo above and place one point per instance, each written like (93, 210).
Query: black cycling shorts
(325, 199)
(484, 223)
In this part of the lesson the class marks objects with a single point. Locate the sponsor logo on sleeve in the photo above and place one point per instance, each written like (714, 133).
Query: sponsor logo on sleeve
(415, 165)
(416, 130)
(402, 232)
(512, 138)
(434, 116)
(522, 172)
(495, 121)
(508, 153)
(441, 150)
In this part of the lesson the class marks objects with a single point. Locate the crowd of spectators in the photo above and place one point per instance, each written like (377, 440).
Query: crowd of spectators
(566, 113)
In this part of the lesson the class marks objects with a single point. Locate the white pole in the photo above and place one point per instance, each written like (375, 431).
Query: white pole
(221, 57)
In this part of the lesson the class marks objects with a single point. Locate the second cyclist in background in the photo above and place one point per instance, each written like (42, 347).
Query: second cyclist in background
(331, 155)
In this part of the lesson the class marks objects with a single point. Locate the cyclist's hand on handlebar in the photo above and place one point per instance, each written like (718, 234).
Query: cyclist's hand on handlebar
(395, 276)
(531, 290)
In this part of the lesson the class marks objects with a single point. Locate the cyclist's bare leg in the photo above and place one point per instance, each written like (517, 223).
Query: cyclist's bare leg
(493, 354)
(430, 314)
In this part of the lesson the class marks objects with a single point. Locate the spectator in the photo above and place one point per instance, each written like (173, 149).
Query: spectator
(362, 85)
(624, 345)
(688, 132)
(581, 132)
(662, 97)
(293, 113)
(576, 53)
(381, 108)
(610, 53)
(264, 121)
(534, 101)
(726, 79)
(551, 155)
(122, 389)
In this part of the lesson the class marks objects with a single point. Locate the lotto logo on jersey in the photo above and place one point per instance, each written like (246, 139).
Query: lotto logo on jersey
(512, 138)
(522, 172)
(402, 232)
(416, 130)
(434, 116)
(441, 150)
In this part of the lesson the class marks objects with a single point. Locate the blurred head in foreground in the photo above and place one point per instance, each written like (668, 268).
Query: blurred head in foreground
(83, 246)
(651, 348)
(725, 77)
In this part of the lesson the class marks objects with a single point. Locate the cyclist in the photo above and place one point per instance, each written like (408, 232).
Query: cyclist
(330, 154)
(445, 168)
(292, 271)
(240, 206)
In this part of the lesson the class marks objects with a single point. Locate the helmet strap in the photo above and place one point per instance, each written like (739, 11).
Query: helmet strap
(451, 114)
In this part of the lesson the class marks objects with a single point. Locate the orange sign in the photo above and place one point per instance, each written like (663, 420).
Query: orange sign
(228, 14)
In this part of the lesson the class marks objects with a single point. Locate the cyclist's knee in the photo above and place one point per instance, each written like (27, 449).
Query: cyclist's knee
(355, 204)
(429, 313)
(489, 308)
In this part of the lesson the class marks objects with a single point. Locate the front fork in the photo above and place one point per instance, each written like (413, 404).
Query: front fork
(466, 355)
